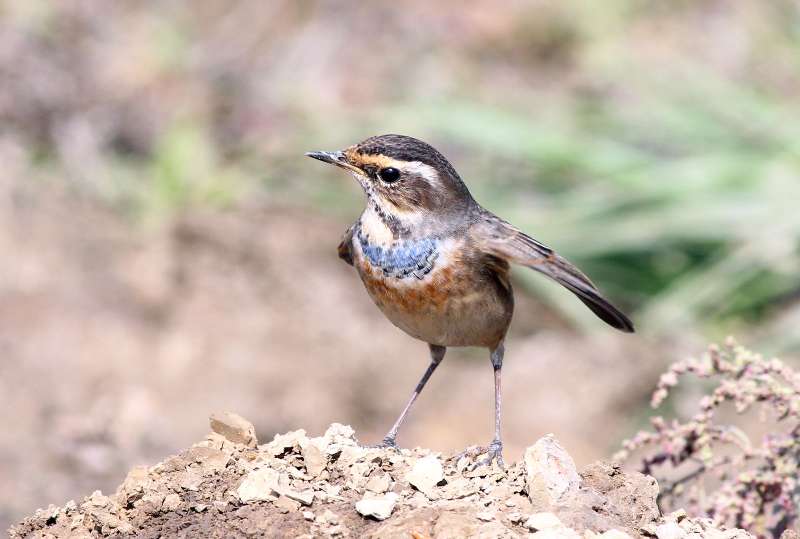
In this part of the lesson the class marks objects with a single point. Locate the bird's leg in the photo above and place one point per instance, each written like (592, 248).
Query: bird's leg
(496, 447)
(494, 451)
(437, 354)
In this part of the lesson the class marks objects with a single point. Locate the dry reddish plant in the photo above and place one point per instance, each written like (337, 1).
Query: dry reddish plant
(714, 469)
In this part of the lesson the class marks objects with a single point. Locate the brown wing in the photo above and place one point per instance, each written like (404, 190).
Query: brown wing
(497, 237)
(345, 246)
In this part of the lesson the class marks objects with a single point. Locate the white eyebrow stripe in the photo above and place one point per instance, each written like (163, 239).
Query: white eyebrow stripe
(426, 171)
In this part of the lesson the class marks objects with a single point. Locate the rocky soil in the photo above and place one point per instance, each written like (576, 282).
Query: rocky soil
(79, 347)
(302, 486)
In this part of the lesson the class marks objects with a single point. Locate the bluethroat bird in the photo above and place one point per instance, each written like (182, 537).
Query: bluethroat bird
(436, 263)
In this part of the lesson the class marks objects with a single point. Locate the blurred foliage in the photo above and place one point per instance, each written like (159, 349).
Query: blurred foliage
(717, 468)
(655, 143)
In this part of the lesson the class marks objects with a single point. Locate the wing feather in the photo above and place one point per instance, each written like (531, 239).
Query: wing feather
(501, 239)
(346, 245)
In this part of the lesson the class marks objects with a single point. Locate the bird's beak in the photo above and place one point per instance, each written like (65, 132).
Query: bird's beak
(337, 158)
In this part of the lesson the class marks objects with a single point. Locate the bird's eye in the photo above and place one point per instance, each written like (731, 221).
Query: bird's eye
(389, 174)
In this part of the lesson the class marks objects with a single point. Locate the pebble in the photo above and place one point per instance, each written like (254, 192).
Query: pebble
(379, 482)
(425, 474)
(314, 456)
(234, 428)
(259, 485)
(552, 478)
(327, 517)
(171, 502)
(543, 521)
(305, 497)
(286, 505)
(670, 530)
(379, 508)
(486, 516)
(283, 442)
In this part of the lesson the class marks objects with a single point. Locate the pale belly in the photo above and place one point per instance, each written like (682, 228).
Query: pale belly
(452, 303)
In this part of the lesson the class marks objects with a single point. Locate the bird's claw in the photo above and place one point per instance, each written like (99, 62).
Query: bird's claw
(387, 443)
(493, 453)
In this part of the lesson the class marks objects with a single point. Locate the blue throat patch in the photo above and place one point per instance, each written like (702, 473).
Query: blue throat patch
(409, 258)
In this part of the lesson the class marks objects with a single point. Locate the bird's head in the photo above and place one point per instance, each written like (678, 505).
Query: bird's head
(402, 175)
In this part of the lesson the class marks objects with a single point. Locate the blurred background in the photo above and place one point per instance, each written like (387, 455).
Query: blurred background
(168, 252)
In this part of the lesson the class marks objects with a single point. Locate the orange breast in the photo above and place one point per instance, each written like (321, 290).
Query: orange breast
(412, 295)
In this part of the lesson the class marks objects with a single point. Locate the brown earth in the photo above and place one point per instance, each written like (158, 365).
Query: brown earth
(300, 486)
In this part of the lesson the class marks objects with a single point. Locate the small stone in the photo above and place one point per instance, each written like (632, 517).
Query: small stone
(314, 456)
(379, 482)
(96, 499)
(358, 475)
(459, 487)
(348, 455)
(234, 428)
(515, 518)
(306, 497)
(77, 521)
(333, 491)
(425, 474)
(308, 515)
(500, 492)
(670, 530)
(543, 521)
(286, 505)
(379, 508)
(336, 531)
(215, 441)
(338, 433)
(190, 480)
(289, 441)
(479, 471)
(137, 480)
(486, 516)
(552, 478)
(150, 503)
(678, 515)
(211, 461)
(259, 485)
(327, 517)
(200, 507)
(171, 502)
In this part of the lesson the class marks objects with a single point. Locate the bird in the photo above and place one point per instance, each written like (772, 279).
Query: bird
(437, 263)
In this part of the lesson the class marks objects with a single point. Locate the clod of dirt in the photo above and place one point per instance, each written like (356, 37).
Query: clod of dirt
(301, 486)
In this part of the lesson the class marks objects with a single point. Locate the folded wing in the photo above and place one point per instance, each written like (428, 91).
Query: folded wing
(344, 249)
(501, 239)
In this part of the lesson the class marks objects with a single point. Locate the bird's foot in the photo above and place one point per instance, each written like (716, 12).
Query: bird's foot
(386, 443)
(493, 453)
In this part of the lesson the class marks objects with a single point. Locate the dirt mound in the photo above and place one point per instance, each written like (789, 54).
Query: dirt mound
(296, 485)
